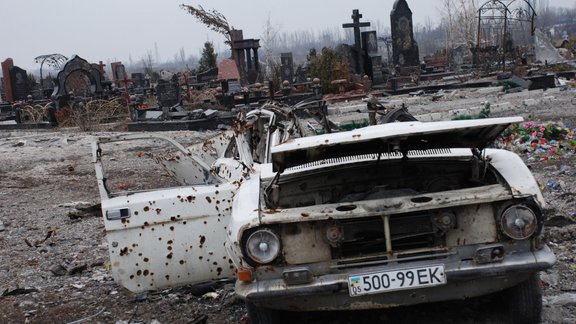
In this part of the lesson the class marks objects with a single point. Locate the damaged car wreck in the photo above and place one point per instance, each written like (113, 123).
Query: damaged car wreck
(388, 215)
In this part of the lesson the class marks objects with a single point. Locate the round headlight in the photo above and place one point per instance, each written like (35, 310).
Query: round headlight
(263, 246)
(519, 222)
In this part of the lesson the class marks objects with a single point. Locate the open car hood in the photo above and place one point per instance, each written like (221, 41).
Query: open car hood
(392, 137)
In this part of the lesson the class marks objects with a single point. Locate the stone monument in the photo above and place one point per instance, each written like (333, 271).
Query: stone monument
(404, 47)
(358, 54)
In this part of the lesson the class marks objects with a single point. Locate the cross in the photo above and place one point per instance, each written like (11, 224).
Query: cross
(101, 68)
(356, 15)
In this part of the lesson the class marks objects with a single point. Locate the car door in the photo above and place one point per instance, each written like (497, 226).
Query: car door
(166, 236)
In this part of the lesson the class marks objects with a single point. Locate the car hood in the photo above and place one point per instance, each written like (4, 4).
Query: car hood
(392, 137)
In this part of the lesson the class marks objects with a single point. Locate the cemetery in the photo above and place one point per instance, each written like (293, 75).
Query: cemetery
(54, 261)
(180, 100)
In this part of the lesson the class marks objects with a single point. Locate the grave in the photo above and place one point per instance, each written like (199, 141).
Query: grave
(357, 52)
(246, 55)
(138, 80)
(168, 92)
(363, 57)
(6, 65)
(404, 47)
(19, 80)
(287, 67)
(118, 71)
(74, 71)
(373, 59)
(207, 76)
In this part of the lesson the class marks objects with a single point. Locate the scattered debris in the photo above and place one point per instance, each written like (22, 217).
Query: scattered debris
(89, 317)
(18, 291)
(85, 210)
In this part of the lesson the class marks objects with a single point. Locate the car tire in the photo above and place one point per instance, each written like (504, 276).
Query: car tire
(524, 301)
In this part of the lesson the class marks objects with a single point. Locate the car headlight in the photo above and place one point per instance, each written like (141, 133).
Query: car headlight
(519, 222)
(263, 246)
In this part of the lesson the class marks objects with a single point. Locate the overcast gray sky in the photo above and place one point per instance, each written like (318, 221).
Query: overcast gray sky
(110, 30)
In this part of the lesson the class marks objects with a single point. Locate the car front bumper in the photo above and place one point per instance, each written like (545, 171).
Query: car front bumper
(464, 279)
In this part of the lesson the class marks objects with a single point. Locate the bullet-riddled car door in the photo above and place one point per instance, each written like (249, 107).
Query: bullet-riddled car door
(166, 236)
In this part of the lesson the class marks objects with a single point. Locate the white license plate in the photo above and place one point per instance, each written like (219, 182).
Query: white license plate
(377, 282)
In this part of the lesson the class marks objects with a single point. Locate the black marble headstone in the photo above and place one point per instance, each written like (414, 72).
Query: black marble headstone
(404, 47)
(138, 79)
(376, 69)
(370, 43)
(19, 79)
(168, 92)
(207, 76)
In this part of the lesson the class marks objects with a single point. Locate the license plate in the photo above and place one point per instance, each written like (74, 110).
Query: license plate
(377, 282)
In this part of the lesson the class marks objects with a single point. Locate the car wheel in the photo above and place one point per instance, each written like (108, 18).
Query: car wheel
(524, 301)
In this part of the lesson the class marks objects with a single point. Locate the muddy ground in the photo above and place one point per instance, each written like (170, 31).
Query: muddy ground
(54, 265)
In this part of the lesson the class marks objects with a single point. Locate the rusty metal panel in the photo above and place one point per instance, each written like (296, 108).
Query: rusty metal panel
(305, 243)
(389, 206)
(475, 224)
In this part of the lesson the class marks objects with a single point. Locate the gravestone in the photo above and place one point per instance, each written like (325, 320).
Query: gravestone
(370, 43)
(168, 92)
(404, 47)
(19, 79)
(6, 65)
(287, 67)
(119, 72)
(116, 73)
(372, 60)
(357, 53)
(207, 76)
(301, 76)
(138, 80)
(376, 70)
(72, 68)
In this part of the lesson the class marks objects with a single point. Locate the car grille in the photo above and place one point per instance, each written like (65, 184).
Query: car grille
(366, 237)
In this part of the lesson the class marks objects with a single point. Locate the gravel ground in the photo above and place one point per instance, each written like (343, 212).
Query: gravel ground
(54, 262)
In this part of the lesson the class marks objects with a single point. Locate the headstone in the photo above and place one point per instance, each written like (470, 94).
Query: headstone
(119, 72)
(287, 67)
(168, 92)
(6, 65)
(357, 53)
(207, 76)
(301, 74)
(370, 43)
(19, 79)
(77, 65)
(116, 73)
(373, 60)
(138, 80)
(376, 69)
(404, 47)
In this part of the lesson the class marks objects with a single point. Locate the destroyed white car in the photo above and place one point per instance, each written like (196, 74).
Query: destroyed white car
(386, 215)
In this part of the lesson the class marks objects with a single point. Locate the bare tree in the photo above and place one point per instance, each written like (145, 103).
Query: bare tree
(460, 20)
(270, 43)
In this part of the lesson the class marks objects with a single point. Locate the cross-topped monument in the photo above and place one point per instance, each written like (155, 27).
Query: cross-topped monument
(356, 15)
(356, 24)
